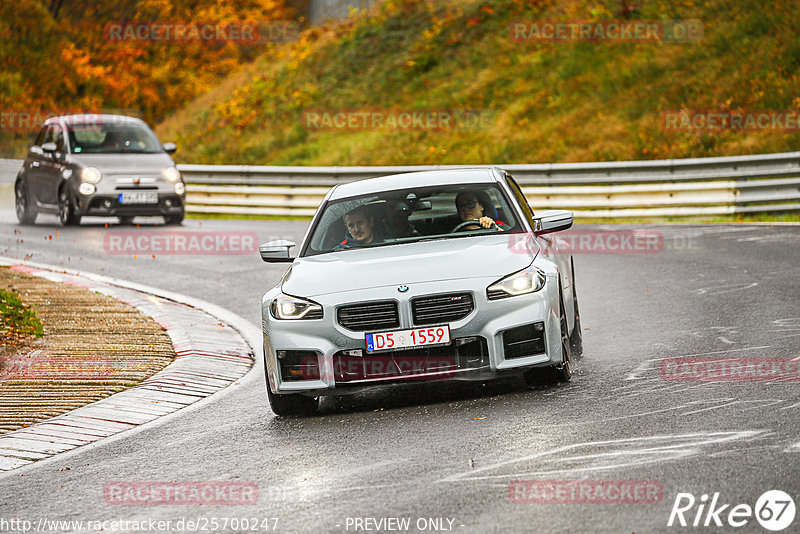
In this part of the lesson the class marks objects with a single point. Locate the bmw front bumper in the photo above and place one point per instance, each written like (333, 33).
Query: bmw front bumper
(321, 357)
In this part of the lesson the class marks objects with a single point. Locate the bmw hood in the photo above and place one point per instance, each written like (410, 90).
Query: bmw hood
(111, 164)
(426, 261)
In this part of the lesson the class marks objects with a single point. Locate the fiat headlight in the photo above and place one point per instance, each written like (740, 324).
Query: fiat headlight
(91, 175)
(289, 308)
(172, 174)
(529, 280)
(86, 189)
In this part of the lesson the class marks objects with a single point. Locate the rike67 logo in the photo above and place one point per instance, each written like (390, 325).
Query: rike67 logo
(774, 510)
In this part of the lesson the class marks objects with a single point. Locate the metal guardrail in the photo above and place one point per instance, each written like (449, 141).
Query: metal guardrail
(660, 188)
(657, 188)
(8, 170)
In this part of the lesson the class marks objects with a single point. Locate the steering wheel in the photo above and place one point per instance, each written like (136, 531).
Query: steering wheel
(464, 224)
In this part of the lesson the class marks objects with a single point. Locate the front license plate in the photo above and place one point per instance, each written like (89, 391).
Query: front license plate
(406, 339)
(138, 198)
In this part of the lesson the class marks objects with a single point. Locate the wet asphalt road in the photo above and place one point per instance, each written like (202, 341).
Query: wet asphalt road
(443, 455)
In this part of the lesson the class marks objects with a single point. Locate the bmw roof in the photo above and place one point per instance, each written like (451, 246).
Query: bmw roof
(416, 179)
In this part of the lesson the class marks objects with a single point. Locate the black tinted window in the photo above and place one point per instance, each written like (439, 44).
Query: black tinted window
(58, 137)
(40, 138)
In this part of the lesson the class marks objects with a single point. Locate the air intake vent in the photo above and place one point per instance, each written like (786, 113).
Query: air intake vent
(439, 309)
(524, 341)
(369, 316)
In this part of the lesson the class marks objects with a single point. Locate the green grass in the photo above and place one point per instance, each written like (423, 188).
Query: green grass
(18, 320)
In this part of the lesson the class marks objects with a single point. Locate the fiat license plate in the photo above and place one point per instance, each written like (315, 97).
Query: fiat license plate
(407, 339)
(138, 198)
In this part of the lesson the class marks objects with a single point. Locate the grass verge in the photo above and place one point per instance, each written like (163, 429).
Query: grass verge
(17, 320)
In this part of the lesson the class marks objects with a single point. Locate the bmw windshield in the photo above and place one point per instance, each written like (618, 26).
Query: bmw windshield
(410, 215)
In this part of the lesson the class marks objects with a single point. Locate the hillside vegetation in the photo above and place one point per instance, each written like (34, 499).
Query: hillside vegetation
(540, 101)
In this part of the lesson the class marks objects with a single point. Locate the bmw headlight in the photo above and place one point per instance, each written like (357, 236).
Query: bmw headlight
(172, 174)
(91, 175)
(529, 280)
(290, 308)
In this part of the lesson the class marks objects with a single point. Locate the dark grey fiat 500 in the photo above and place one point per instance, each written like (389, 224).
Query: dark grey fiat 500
(99, 165)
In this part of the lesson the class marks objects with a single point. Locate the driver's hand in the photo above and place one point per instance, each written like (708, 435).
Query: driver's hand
(486, 222)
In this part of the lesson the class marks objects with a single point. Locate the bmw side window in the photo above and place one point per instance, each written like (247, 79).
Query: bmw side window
(523, 202)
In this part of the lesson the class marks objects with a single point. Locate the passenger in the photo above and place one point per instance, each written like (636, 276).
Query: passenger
(360, 226)
(473, 205)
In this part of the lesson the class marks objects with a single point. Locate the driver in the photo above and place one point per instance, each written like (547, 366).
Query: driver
(360, 226)
(111, 141)
(470, 207)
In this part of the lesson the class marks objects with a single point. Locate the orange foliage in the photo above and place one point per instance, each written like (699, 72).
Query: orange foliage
(73, 62)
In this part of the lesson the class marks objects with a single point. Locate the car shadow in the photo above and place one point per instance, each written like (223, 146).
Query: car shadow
(404, 396)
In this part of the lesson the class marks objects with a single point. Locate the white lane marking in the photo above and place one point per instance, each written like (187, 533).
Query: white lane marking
(793, 448)
(642, 368)
(723, 351)
(795, 405)
(726, 340)
(626, 386)
(760, 403)
(720, 290)
(612, 454)
(731, 403)
(739, 450)
(766, 402)
(673, 388)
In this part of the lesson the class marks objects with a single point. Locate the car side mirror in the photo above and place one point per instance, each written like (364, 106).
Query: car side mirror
(276, 251)
(423, 205)
(49, 148)
(170, 148)
(552, 221)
